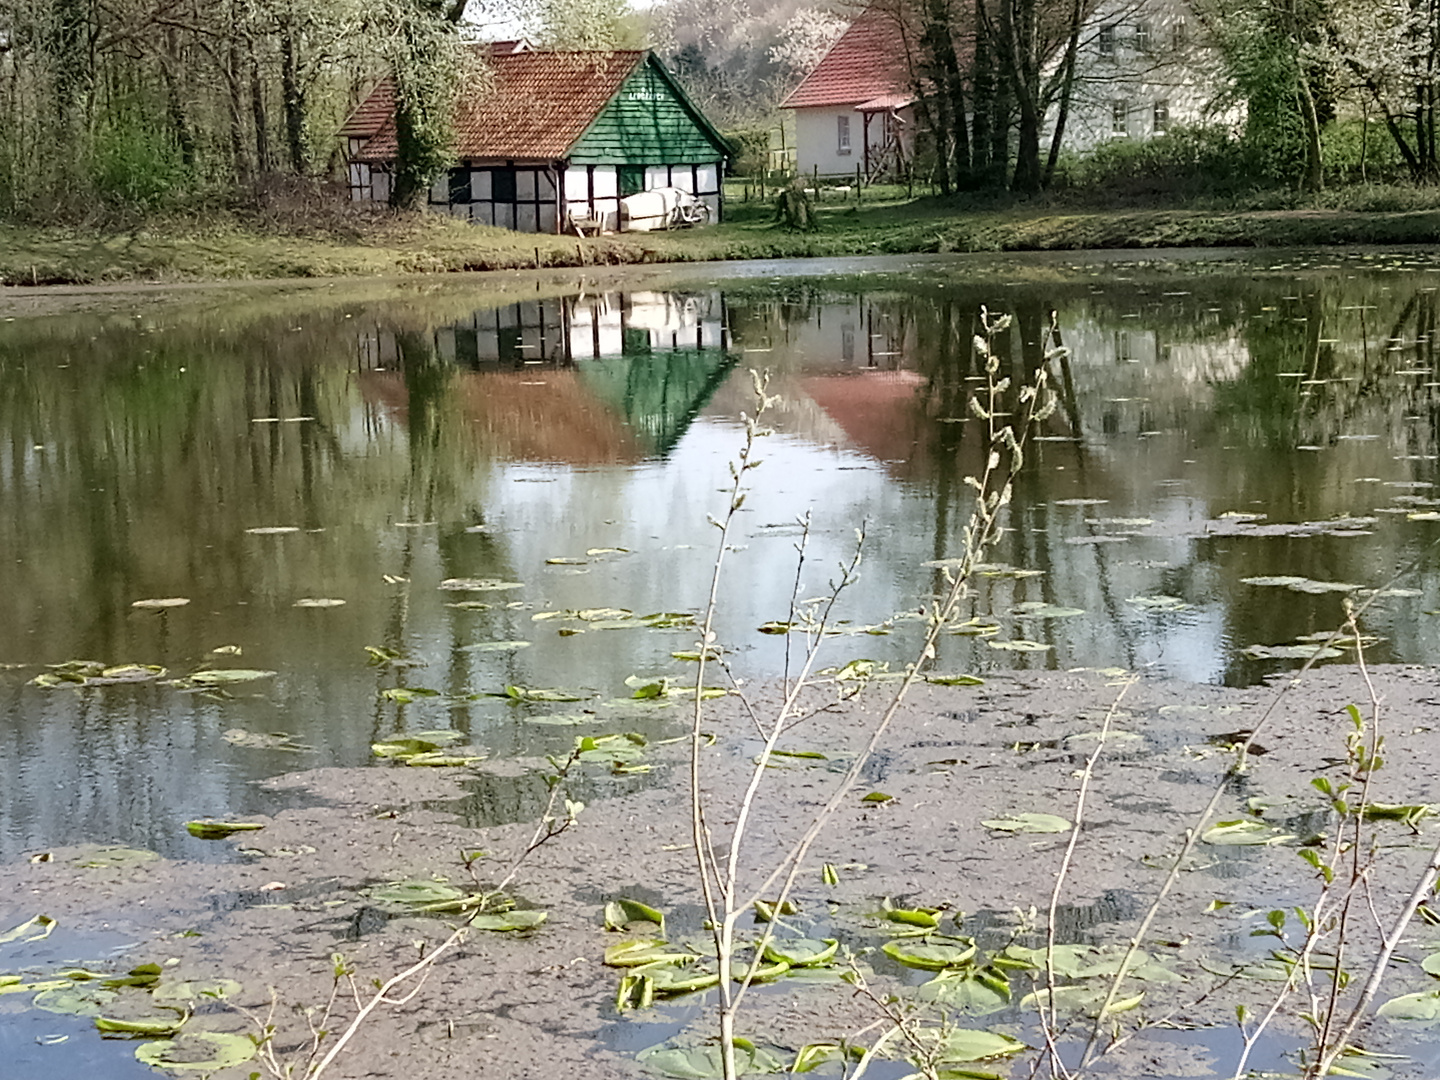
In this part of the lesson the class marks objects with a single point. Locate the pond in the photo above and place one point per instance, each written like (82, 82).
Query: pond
(387, 509)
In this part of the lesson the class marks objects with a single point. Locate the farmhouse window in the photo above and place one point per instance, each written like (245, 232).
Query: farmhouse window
(460, 186)
(1162, 117)
(502, 185)
(1107, 40)
(842, 132)
(1142, 37)
(1179, 35)
(1120, 117)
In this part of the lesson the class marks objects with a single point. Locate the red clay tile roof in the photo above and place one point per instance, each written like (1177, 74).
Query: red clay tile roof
(372, 114)
(537, 105)
(867, 62)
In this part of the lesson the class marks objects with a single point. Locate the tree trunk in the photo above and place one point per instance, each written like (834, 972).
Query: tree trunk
(1314, 177)
(263, 163)
(293, 96)
(1067, 89)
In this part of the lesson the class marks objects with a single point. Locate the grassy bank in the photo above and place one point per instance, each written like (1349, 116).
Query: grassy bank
(882, 222)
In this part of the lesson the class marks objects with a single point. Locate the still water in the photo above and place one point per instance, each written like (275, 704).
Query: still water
(466, 478)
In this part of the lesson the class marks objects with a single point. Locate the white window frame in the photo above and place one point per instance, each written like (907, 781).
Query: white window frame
(842, 134)
(1160, 117)
(1106, 40)
(1120, 117)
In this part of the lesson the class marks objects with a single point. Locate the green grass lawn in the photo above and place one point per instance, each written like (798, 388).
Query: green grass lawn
(883, 220)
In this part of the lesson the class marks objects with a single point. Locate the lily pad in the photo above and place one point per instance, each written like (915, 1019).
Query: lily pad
(929, 957)
(496, 646)
(802, 952)
(1020, 645)
(273, 530)
(1300, 584)
(621, 913)
(955, 680)
(969, 991)
(1244, 833)
(530, 693)
(218, 830)
(1301, 651)
(1036, 609)
(162, 602)
(416, 892)
(1158, 603)
(703, 1063)
(1423, 1007)
(195, 989)
(1029, 823)
(77, 999)
(509, 920)
(148, 1026)
(640, 952)
(197, 1051)
(479, 585)
(319, 602)
(225, 676)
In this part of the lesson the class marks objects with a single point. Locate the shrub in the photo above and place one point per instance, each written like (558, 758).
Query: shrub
(1184, 161)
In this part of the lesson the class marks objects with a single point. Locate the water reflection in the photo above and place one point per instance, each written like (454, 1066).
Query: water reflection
(1211, 429)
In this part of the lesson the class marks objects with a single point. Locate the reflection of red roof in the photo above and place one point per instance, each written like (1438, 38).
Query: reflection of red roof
(544, 415)
(883, 413)
(867, 62)
(536, 106)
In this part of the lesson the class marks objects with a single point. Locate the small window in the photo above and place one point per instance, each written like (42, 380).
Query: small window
(459, 186)
(502, 185)
(1179, 35)
(1162, 117)
(1119, 117)
(842, 131)
(1107, 40)
(1142, 37)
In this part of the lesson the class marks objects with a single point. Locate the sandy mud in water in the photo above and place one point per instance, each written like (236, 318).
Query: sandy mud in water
(542, 1004)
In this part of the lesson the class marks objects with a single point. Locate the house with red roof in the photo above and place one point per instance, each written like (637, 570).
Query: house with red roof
(856, 107)
(554, 140)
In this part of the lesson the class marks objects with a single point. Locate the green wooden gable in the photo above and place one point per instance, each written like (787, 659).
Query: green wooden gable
(649, 121)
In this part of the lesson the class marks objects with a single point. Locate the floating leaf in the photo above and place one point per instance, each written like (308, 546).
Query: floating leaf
(1409, 813)
(625, 749)
(319, 602)
(195, 989)
(272, 530)
(926, 918)
(1158, 603)
(479, 585)
(566, 560)
(1028, 822)
(527, 693)
(1300, 584)
(929, 957)
(218, 830)
(976, 627)
(1303, 651)
(224, 676)
(197, 1051)
(75, 1000)
(33, 929)
(643, 951)
(416, 892)
(509, 920)
(1020, 645)
(495, 646)
(167, 1025)
(162, 602)
(1037, 609)
(621, 913)
(970, 991)
(955, 680)
(703, 1063)
(1424, 1007)
(876, 797)
(802, 952)
(1244, 833)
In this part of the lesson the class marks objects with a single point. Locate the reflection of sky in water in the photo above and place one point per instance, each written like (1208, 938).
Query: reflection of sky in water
(132, 465)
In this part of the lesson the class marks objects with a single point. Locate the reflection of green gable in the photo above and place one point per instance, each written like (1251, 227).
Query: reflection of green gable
(658, 393)
(649, 121)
